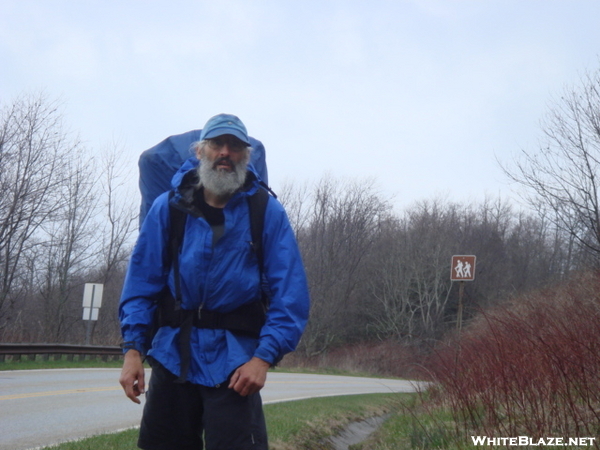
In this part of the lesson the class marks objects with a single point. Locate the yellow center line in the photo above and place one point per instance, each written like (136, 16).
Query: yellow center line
(68, 391)
(319, 382)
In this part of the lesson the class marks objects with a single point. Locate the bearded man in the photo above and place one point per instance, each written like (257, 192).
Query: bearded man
(209, 398)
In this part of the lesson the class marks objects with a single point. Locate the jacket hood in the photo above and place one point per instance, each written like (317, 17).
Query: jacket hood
(188, 165)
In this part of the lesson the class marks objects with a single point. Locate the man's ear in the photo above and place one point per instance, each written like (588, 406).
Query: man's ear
(199, 151)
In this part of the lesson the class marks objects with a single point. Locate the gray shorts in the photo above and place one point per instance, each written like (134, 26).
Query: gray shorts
(188, 416)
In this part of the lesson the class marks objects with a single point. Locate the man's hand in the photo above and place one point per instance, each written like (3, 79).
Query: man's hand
(250, 378)
(132, 375)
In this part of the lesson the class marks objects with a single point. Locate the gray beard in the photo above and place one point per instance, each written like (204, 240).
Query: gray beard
(220, 182)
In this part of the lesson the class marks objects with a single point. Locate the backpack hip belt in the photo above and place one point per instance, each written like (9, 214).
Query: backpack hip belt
(246, 320)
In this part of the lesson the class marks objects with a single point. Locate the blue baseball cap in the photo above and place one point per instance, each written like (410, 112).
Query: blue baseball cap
(225, 124)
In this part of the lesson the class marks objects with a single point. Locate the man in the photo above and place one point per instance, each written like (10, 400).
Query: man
(206, 380)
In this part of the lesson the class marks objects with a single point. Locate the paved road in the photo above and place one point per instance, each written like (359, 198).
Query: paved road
(44, 407)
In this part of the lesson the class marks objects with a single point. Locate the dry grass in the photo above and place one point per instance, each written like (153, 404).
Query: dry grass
(387, 358)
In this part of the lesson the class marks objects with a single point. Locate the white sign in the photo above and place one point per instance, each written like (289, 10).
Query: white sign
(92, 300)
(92, 295)
(90, 313)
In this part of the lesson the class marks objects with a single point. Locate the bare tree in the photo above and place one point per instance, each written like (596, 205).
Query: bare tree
(118, 219)
(33, 151)
(64, 220)
(295, 198)
(342, 225)
(116, 224)
(561, 176)
(68, 253)
(389, 311)
(88, 244)
(409, 284)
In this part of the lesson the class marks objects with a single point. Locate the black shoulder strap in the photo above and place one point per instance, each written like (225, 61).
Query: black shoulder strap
(177, 220)
(257, 204)
(176, 228)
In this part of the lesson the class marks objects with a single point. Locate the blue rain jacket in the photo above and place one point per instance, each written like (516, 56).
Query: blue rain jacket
(220, 278)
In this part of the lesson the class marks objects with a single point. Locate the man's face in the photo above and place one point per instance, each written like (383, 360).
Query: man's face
(223, 152)
(223, 163)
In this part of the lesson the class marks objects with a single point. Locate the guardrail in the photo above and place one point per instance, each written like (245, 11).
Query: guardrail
(30, 351)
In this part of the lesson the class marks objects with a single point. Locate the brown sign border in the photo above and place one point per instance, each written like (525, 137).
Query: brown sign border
(455, 259)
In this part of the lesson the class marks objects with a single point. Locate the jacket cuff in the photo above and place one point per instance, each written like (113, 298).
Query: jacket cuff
(132, 345)
(134, 339)
(268, 350)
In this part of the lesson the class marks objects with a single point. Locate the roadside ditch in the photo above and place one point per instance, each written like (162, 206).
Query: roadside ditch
(357, 432)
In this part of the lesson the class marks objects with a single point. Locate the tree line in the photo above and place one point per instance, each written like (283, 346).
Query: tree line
(374, 273)
(64, 220)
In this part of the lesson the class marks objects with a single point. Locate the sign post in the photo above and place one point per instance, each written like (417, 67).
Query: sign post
(92, 301)
(462, 269)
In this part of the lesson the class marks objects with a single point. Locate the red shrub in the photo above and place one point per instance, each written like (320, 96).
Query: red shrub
(530, 367)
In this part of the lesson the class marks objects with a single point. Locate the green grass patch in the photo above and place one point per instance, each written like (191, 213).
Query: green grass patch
(412, 426)
(124, 440)
(307, 423)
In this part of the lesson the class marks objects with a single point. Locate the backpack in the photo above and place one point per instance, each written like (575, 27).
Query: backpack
(158, 164)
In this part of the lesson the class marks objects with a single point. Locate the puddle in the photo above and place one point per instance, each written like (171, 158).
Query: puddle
(357, 432)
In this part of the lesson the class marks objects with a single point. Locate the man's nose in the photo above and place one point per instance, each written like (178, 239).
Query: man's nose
(225, 149)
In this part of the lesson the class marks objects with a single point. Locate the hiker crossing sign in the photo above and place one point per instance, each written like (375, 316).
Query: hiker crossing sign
(463, 268)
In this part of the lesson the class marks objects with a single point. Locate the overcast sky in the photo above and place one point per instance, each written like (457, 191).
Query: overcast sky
(423, 95)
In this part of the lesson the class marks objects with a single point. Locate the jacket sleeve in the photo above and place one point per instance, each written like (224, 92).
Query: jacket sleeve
(284, 271)
(146, 276)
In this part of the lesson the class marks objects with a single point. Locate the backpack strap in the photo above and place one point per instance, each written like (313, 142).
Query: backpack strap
(171, 308)
(166, 305)
(257, 204)
(177, 219)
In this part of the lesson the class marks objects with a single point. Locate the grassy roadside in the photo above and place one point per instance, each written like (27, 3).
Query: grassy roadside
(303, 424)
(62, 363)
(306, 424)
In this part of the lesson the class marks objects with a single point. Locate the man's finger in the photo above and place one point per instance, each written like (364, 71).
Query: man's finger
(131, 388)
(234, 379)
(240, 385)
(141, 383)
(133, 392)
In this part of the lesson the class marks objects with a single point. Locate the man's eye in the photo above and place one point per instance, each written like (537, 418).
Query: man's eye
(232, 144)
